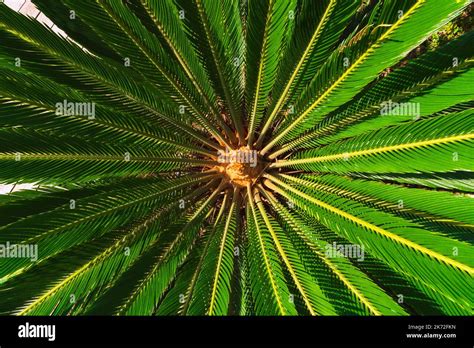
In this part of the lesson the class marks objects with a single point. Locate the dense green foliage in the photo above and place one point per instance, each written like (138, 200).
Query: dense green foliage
(136, 215)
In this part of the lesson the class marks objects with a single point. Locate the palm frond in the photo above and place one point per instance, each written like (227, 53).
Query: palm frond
(367, 65)
(260, 157)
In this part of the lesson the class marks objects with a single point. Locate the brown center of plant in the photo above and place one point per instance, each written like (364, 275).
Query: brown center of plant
(240, 166)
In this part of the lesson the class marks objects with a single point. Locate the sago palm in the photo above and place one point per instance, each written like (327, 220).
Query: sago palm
(261, 157)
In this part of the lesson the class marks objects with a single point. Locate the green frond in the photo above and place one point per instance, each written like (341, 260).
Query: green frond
(311, 294)
(425, 255)
(265, 42)
(170, 28)
(399, 38)
(215, 29)
(76, 29)
(311, 246)
(269, 290)
(406, 148)
(110, 19)
(198, 288)
(430, 83)
(414, 202)
(85, 218)
(37, 47)
(169, 258)
(455, 181)
(317, 25)
(251, 158)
